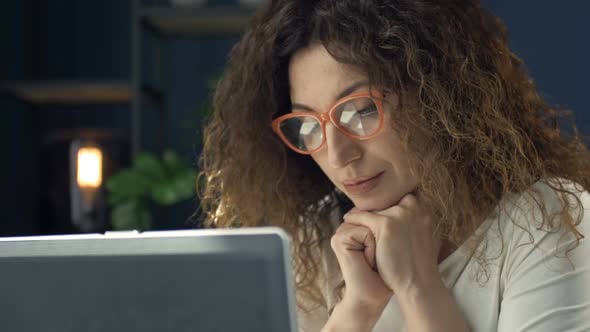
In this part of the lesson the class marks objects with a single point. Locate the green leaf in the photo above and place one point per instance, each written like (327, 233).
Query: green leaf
(145, 219)
(127, 184)
(123, 216)
(180, 188)
(185, 185)
(164, 193)
(130, 215)
(115, 198)
(173, 163)
(165, 182)
(149, 165)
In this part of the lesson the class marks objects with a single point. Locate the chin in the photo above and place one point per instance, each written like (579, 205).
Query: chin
(371, 205)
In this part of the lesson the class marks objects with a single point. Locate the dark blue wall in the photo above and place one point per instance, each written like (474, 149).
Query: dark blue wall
(17, 138)
(553, 39)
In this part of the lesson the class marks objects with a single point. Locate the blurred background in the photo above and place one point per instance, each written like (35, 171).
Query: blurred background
(102, 102)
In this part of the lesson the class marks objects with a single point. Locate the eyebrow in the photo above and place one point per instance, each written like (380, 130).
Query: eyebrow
(339, 96)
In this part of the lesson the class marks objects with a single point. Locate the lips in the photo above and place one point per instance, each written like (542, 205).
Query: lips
(362, 184)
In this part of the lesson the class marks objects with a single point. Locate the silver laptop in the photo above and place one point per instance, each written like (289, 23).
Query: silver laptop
(193, 280)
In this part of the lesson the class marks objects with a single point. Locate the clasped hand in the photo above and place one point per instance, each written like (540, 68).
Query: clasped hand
(385, 252)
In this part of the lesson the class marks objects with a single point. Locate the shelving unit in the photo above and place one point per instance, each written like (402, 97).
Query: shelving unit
(166, 22)
(194, 22)
(163, 22)
(41, 93)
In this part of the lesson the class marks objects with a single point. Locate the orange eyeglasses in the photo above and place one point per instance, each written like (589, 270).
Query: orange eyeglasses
(358, 116)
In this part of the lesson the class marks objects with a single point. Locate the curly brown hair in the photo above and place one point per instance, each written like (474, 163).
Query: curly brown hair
(469, 113)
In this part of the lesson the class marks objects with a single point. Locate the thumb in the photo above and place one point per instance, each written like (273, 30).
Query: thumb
(370, 250)
(354, 245)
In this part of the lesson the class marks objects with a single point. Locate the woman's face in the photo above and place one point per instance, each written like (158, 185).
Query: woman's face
(373, 173)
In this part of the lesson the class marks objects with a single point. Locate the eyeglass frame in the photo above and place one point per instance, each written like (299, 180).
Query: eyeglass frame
(322, 118)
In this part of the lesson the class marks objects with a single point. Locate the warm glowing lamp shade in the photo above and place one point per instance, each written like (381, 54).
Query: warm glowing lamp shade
(89, 167)
(94, 155)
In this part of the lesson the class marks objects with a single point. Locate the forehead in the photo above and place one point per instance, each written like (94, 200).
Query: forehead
(316, 78)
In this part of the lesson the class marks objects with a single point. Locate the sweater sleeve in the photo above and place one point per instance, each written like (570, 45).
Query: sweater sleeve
(543, 291)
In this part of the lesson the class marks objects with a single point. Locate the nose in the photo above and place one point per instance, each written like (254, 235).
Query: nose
(342, 149)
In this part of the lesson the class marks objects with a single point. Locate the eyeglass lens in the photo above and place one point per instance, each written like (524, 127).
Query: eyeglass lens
(357, 117)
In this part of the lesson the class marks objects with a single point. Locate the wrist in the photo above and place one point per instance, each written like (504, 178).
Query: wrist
(431, 308)
(368, 311)
(351, 315)
(421, 290)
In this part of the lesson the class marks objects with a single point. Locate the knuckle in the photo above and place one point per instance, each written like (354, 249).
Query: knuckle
(334, 242)
(341, 229)
(381, 219)
(397, 212)
(337, 239)
(409, 198)
(405, 214)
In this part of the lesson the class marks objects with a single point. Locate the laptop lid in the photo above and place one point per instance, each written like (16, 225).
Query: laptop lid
(193, 280)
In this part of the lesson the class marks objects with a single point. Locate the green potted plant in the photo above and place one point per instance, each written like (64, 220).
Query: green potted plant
(151, 180)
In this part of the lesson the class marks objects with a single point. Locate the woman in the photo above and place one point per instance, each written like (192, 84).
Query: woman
(426, 184)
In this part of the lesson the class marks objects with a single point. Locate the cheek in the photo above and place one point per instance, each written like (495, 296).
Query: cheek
(387, 146)
(321, 159)
(390, 149)
(317, 158)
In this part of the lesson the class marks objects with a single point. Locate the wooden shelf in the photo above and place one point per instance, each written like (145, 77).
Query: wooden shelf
(196, 22)
(70, 92)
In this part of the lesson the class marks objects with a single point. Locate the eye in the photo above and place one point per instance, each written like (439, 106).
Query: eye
(367, 111)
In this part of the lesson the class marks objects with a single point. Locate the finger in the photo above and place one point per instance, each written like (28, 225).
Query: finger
(371, 250)
(408, 201)
(354, 209)
(350, 238)
(353, 237)
(369, 220)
